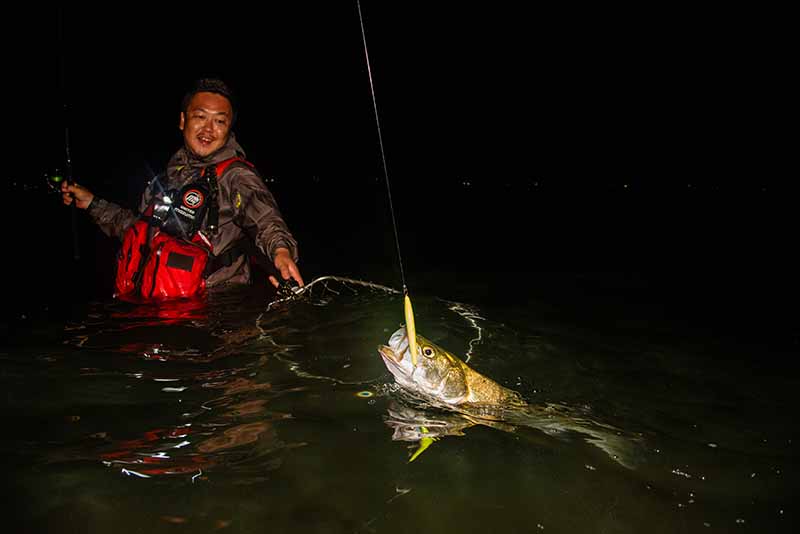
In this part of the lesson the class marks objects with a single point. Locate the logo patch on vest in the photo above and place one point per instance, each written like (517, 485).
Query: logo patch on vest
(193, 198)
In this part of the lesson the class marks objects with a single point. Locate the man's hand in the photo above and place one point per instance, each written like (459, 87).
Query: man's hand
(287, 267)
(71, 191)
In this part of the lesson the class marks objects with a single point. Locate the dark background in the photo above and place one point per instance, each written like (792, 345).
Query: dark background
(647, 141)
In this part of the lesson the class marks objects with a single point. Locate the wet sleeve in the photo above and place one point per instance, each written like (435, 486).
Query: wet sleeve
(256, 212)
(113, 219)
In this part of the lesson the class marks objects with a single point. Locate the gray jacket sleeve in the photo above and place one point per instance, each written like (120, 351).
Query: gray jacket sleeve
(256, 212)
(113, 219)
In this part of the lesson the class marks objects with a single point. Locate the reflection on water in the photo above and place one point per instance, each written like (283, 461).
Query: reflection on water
(242, 416)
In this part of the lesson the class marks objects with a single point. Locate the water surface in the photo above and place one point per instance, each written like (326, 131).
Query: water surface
(249, 417)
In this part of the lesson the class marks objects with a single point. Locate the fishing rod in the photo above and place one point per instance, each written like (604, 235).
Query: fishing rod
(411, 330)
(68, 157)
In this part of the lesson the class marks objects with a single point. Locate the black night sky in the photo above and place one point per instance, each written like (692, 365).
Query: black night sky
(568, 100)
(516, 140)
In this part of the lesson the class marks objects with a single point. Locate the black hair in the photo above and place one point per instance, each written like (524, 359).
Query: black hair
(209, 85)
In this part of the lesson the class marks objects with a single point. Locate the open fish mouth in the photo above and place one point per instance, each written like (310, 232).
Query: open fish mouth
(394, 363)
(390, 354)
(399, 342)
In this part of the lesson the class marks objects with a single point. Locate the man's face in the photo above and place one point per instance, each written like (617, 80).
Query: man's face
(206, 123)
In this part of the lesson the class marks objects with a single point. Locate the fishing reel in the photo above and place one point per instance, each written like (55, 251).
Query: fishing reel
(54, 180)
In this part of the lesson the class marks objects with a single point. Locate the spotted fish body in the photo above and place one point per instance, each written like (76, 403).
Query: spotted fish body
(444, 379)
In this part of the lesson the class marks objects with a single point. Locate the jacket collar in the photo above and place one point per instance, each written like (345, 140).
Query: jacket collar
(184, 160)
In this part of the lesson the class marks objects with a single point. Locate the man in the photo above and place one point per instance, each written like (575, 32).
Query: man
(206, 211)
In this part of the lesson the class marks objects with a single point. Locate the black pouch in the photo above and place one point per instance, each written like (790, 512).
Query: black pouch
(180, 213)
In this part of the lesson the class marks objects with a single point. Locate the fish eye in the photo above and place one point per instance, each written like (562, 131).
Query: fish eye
(427, 351)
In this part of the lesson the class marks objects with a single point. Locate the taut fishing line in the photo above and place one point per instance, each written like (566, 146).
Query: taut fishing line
(409, 313)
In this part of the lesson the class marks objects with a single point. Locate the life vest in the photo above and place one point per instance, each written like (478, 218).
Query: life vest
(165, 254)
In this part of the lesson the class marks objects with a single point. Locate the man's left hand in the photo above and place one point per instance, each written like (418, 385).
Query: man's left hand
(286, 266)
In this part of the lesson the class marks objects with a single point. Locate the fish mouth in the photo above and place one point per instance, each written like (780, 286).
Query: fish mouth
(394, 363)
(389, 354)
(399, 343)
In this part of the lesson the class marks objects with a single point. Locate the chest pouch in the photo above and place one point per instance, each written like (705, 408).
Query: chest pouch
(174, 267)
(180, 212)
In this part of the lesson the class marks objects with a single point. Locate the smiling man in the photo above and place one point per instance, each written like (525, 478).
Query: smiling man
(206, 120)
(198, 222)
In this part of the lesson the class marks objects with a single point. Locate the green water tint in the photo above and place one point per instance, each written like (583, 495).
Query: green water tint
(247, 420)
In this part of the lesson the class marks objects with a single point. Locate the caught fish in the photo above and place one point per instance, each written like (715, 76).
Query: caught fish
(444, 381)
(441, 378)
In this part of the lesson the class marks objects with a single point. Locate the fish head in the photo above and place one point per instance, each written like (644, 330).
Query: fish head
(437, 373)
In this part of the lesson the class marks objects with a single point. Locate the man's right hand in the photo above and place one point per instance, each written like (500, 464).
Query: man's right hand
(71, 191)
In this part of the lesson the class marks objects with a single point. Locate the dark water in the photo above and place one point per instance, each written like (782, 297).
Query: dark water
(245, 419)
(241, 417)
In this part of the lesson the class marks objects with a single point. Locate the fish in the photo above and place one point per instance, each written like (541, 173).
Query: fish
(443, 381)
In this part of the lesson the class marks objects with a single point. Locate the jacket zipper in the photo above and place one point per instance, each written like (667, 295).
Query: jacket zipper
(155, 269)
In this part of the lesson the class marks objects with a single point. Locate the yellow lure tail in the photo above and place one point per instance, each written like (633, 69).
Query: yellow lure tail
(411, 330)
(424, 443)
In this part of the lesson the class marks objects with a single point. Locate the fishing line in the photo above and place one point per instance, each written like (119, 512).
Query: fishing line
(383, 155)
(409, 314)
(68, 162)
